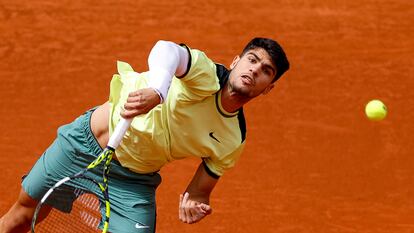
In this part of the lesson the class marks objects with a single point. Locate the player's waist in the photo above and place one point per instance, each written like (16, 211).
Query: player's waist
(142, 163)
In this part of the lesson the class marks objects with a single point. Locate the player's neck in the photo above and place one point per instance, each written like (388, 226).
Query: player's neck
(230, 101)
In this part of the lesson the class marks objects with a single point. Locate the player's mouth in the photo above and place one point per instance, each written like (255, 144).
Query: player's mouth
(247, 80)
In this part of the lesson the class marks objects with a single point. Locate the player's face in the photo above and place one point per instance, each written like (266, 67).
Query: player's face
(252, 74)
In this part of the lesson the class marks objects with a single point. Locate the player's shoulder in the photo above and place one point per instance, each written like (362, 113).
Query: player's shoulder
(222, 74)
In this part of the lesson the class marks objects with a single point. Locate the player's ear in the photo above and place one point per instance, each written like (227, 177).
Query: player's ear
(268, 88)
(235, 60)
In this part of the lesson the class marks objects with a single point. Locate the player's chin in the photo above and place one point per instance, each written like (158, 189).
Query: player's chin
(243, 90)
(247, 94)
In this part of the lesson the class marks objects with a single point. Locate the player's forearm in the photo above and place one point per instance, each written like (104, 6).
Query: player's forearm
(201, 185)
(198, 196)
(166, 59)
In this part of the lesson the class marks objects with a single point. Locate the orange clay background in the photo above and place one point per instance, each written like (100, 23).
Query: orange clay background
(313, 162)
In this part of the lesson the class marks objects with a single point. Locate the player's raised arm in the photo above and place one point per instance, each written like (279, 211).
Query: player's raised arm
(165, 60)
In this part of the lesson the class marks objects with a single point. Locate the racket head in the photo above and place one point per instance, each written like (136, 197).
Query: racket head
(82, 205)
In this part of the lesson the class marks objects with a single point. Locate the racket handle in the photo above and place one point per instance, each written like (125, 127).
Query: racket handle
(119, 133)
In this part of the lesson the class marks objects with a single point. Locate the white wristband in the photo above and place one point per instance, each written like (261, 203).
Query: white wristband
(159, 94)
(160, 81)
(166, 59)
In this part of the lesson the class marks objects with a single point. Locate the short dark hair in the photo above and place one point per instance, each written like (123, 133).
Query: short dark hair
(275, 52)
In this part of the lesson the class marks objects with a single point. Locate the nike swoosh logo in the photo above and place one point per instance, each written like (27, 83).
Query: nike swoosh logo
(212, 136)
(140, 226)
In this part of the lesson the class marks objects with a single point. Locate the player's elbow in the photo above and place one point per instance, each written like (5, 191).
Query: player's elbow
(166, 47)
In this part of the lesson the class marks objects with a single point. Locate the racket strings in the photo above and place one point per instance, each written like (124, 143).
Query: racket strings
(78, 209)
(84, 217)
(78, 200)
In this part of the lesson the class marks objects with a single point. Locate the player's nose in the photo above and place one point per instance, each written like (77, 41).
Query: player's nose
(254, 68)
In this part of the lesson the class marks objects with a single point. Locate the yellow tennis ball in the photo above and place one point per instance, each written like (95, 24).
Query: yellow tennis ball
(376, 110)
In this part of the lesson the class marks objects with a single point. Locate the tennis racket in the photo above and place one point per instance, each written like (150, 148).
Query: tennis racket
(86, 194)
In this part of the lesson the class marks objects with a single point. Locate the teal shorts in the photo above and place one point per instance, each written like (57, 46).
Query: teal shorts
(132, 195)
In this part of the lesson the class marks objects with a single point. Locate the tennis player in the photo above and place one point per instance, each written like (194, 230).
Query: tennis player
(185, 105)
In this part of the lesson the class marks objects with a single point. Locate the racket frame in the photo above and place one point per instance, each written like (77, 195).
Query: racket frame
(106, 156)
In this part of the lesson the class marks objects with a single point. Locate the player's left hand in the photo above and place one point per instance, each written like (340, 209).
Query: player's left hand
(191, 211)
(140, 102)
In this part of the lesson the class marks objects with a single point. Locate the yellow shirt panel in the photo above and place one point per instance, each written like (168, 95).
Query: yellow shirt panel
(144, 148)
(189, 123)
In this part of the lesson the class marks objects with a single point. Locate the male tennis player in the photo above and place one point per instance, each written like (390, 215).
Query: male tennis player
(185, 105)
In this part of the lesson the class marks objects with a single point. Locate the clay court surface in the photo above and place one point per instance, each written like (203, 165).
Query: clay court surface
(313, 162)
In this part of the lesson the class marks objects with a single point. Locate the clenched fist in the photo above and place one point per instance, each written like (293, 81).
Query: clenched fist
(191, 211)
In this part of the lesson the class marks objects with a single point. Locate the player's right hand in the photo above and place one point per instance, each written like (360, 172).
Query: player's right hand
(140, 102)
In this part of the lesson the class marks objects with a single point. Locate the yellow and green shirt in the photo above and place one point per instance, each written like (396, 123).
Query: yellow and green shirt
(191, 122)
